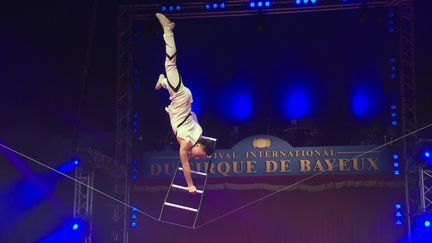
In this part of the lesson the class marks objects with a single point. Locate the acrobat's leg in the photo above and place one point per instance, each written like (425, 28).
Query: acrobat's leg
(173, 81)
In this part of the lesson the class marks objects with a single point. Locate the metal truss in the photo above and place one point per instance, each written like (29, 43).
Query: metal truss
(425, 190)
(83, 198)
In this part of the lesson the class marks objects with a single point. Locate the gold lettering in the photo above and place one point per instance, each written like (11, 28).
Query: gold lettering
(356, 164)
(343, 164)
(325, 153)
(235, 167)
(373, 163)
(282, 153)
(285, 165)
(329, 164)
(309, 153)
(250, 166)
(319, 166)
(317, 153)
(305, 165)
(169, 169)
(271, 166)
(275, 154)
(267, 154)
(155, 169)
(206, 167)
(225, 171)
(332, 152)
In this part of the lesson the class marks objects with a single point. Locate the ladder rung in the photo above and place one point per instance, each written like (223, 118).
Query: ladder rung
(195, 172)
(184, 188)
(209, 138)
(181, 207)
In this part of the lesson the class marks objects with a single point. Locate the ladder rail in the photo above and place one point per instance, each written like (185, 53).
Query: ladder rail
(169, 189)
(204, 186)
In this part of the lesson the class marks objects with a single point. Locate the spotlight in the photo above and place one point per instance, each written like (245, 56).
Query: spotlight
(75, 227)
(427, 223)
(427, 154)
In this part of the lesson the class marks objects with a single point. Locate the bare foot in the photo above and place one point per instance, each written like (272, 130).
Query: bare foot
(158, 85)
(167, 25)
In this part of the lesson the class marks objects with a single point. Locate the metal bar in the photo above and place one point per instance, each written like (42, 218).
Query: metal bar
(181, 207)
(194, 172)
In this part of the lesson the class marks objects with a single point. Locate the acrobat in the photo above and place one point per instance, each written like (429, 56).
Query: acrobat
(184, 122)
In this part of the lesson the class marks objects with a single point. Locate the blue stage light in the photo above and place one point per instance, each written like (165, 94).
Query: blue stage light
(260, 4)
(396, 164)
(207, 6)
(305, 1)
(362, 104)
(164, 8)
(76, 162)
(134, 216)
(267, 3)
(427, 154)
(171, 8)
(134, 224)
(297, 103)
(398, 206)
(222, 5)
(178, 8)
(427, 223)
(394, 123)
(393, 107)
(215, 5)
(313, 1)
(396, 172)
(393, 114)
(395, 156)
(252, 4)
(298, 1)
(75, 227)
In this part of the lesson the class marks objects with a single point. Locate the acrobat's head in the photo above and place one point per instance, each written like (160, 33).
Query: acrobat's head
(203, 148)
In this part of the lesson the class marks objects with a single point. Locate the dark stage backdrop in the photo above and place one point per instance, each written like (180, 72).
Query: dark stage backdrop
(260, 72)
(327, 56)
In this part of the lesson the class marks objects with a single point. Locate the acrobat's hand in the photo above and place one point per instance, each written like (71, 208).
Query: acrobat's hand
(192, 189)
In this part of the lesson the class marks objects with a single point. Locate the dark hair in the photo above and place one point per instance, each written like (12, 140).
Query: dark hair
(207, 145)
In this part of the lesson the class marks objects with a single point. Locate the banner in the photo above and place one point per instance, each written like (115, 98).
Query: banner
(264, 155)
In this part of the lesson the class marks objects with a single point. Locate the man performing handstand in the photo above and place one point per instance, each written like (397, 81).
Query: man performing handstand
(184, 122)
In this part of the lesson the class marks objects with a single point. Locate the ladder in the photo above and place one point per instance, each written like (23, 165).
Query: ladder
(183, 188)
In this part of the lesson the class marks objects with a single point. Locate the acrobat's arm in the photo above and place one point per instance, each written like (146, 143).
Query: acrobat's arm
(184, 158)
